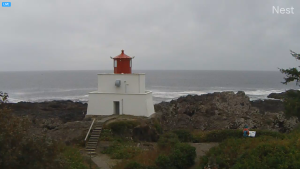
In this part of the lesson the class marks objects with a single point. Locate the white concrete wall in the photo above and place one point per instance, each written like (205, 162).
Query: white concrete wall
(130, 104)
(135, 83)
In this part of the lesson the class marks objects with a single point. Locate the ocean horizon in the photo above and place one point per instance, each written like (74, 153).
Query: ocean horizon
(39, 86)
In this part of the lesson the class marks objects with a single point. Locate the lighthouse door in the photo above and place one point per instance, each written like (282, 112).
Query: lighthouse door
(116, 107)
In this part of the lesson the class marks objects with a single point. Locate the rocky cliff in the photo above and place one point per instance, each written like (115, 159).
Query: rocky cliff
(60, 120)
(223, 110)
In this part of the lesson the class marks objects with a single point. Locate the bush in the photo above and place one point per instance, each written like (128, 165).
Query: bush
(271, 151)
(163, 162)
(134, 165)
(167, 140)
(122, 150)
(269, 155)
(73, 158)
(182, 156)
(184, 135)
(221, 135)
(158, 127)
(122, 127)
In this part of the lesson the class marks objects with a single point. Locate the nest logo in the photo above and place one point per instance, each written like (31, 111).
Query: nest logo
(6, 4)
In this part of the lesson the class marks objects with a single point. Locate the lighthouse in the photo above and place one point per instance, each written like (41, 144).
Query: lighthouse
(121, 92)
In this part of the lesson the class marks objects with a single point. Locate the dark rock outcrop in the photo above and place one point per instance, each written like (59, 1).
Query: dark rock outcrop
(281, 95)
(64, 111)
(223, 110)
(60, 120)
(145, 132)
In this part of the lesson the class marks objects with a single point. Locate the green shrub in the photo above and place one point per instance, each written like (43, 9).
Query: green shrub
(122, 127)
(269, 156)
(107, 135)
(221, 135)
(73, 158)
(167, 140)
(122, 150)
(163, 162)
(184, 135)
(181, 156)
(134, 165)
(268, 150)
(158, 127)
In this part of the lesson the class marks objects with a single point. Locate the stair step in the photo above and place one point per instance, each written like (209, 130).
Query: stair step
(93, 141)
(90, 149)
(96, 131)
(95, 134)
(94, 137)
(92, 144)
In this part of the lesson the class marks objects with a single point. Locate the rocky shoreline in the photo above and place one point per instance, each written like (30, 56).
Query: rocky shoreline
(65, 120)
(224, 110)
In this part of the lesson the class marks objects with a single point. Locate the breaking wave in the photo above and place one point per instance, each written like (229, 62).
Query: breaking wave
(158, 96)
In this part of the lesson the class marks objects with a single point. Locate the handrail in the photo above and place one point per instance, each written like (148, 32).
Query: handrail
(89, 130)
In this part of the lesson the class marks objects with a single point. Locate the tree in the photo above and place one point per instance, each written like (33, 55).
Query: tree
(292, 99)
(3, 97)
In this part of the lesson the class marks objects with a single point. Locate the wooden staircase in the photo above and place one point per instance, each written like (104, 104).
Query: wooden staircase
(92, 143)
(94, 133)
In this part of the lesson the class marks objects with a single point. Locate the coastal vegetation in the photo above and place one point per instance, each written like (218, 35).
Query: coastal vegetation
(292, 98)
(165, 152)
(258, 152)
(21, 149)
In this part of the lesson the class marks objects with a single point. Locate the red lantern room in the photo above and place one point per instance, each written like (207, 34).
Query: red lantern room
(122, 64)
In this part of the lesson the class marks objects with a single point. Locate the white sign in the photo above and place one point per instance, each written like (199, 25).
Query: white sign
(252, 133)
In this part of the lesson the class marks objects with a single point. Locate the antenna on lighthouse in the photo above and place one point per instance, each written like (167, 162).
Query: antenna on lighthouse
(111, 57)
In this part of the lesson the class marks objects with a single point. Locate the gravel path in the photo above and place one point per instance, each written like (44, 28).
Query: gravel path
(201, 149)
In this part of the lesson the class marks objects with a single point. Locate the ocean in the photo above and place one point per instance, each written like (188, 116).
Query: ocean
(38, 86)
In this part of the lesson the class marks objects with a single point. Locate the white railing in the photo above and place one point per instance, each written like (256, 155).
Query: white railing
(89, 130)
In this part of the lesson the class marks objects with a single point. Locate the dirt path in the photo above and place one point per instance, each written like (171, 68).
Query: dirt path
(103, 161)
(201, 149)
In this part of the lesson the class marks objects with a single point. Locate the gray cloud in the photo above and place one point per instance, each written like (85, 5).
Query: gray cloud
(169, 34)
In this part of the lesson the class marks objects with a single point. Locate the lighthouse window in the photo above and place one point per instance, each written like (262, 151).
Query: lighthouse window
(130, 63)
(115, 63)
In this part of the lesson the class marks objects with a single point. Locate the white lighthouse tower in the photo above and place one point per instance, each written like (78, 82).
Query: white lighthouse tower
(121, 92)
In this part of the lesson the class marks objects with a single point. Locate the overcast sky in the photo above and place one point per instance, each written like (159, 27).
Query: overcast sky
(161, 34)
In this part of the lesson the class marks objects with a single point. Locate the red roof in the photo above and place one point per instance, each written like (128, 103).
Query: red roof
(122, 56)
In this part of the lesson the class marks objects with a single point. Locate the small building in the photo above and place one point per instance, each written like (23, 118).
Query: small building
(121, 92)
